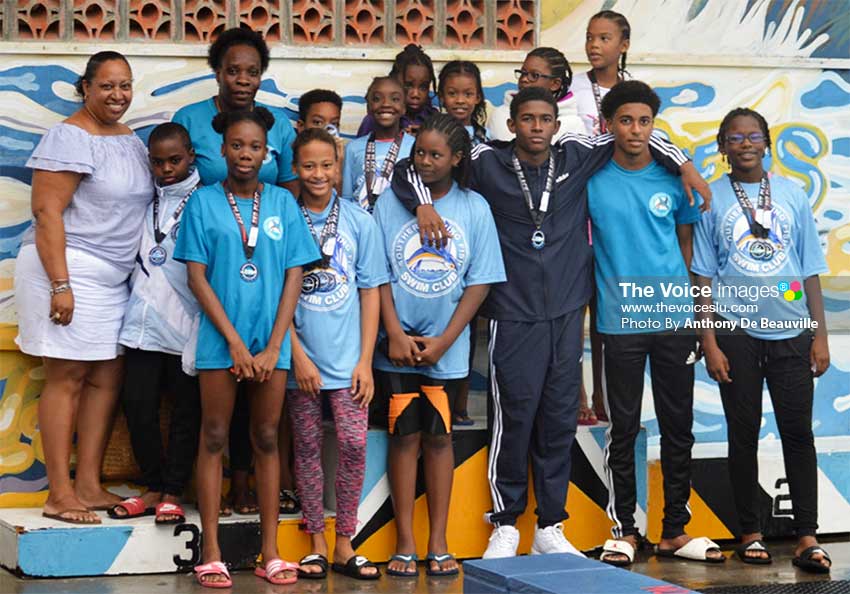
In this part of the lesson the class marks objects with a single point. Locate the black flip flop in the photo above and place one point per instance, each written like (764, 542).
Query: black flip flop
(314, 559)
(353, 568)
(754, 545)
(806, 563)
(289, 502)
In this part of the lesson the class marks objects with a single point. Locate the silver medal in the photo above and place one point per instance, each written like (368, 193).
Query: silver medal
(157, 255)
(538, 240)
(249, 272)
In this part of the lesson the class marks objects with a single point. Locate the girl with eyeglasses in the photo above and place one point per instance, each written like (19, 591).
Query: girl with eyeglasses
(547, 68)
(606, 44)
(760, 238)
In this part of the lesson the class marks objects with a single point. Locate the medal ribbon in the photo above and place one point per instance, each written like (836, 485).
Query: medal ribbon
(160, 235)
(757, 217)
(537, 214)
(327, 241)
(597, 96)
(386, 170)
(249, 240)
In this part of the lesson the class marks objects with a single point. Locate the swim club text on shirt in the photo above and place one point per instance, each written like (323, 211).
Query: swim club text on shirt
(662, 315)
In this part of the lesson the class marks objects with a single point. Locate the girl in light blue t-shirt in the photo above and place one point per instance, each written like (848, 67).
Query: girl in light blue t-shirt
(244, 243)
(432, 295)
(757, 248)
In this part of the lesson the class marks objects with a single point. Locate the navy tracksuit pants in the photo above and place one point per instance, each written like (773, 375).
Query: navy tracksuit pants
(535, 382)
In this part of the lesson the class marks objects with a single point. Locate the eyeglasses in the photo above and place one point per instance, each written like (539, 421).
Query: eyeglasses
(754, 137)
(531, 76)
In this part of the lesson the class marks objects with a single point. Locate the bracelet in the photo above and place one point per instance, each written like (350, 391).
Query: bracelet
(63, 287)
(59, 281)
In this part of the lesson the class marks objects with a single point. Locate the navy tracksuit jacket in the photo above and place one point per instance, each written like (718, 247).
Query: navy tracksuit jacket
(537, 315)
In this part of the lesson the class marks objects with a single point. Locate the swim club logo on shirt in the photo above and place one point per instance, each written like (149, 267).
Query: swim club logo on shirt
(271, 155)
(326, 289)
(660, 204)
(754, 255)
(273, 228)
(429, 271)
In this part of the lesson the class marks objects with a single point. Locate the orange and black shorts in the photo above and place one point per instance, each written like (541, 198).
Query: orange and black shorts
(419, 403)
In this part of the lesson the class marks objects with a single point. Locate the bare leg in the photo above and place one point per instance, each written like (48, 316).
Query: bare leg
(266, 406)
(439, 472)
(403, 462)
(218, 394)
(57, 412)
(96, 413)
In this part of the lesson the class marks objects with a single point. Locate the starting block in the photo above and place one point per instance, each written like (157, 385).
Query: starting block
(557, 574)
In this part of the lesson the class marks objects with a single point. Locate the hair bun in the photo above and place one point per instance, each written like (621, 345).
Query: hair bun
(266, 116)
(219, 122)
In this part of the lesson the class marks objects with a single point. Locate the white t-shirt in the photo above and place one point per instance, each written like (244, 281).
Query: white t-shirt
(586, 103)
(497, 123)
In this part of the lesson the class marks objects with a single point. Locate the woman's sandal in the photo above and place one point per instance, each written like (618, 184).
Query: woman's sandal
(754, 545)
(313, 559)
(407, 560)
(353, 568)
(273, 570)
(214, 568)
(289, 502)
(439, 560)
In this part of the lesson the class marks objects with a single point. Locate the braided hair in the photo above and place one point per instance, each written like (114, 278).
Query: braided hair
(559, 66)
(479, 112)
(457, 139)
(413, 55)
(738, 112)
(625, 33)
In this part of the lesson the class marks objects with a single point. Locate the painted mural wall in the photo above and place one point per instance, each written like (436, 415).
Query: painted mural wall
(703, 57)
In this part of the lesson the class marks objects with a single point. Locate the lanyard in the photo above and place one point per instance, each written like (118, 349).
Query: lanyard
(386, 170)
(327, 241)
(537, 214)
(249, 240)
(759, 217)
(158, 234)
(597, 97)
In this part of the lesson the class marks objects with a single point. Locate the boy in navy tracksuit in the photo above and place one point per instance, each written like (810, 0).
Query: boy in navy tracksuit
(536, 317)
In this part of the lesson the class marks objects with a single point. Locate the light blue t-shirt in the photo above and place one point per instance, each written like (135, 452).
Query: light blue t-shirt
(428, 283)
(634, 216)
(197, 119)
(327, 318)
(354, 166)
(749, 273)
(209, 235)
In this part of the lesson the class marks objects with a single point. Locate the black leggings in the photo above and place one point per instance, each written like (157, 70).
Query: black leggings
(149, 374)
(784, 364)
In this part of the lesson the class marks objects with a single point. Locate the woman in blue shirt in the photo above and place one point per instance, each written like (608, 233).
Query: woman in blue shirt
(758, 246)
(244, 243)
(239, 57)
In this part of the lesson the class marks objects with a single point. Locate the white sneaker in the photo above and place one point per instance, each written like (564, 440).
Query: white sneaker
(503, 543)
(551, 539)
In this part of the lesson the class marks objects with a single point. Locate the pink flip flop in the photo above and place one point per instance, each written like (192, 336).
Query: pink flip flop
(274, 568)
(214, 568)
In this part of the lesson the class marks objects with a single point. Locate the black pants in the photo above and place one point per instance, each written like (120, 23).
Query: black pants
(785, 365)
(535, 376)
(673, 394)
(148, 375)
